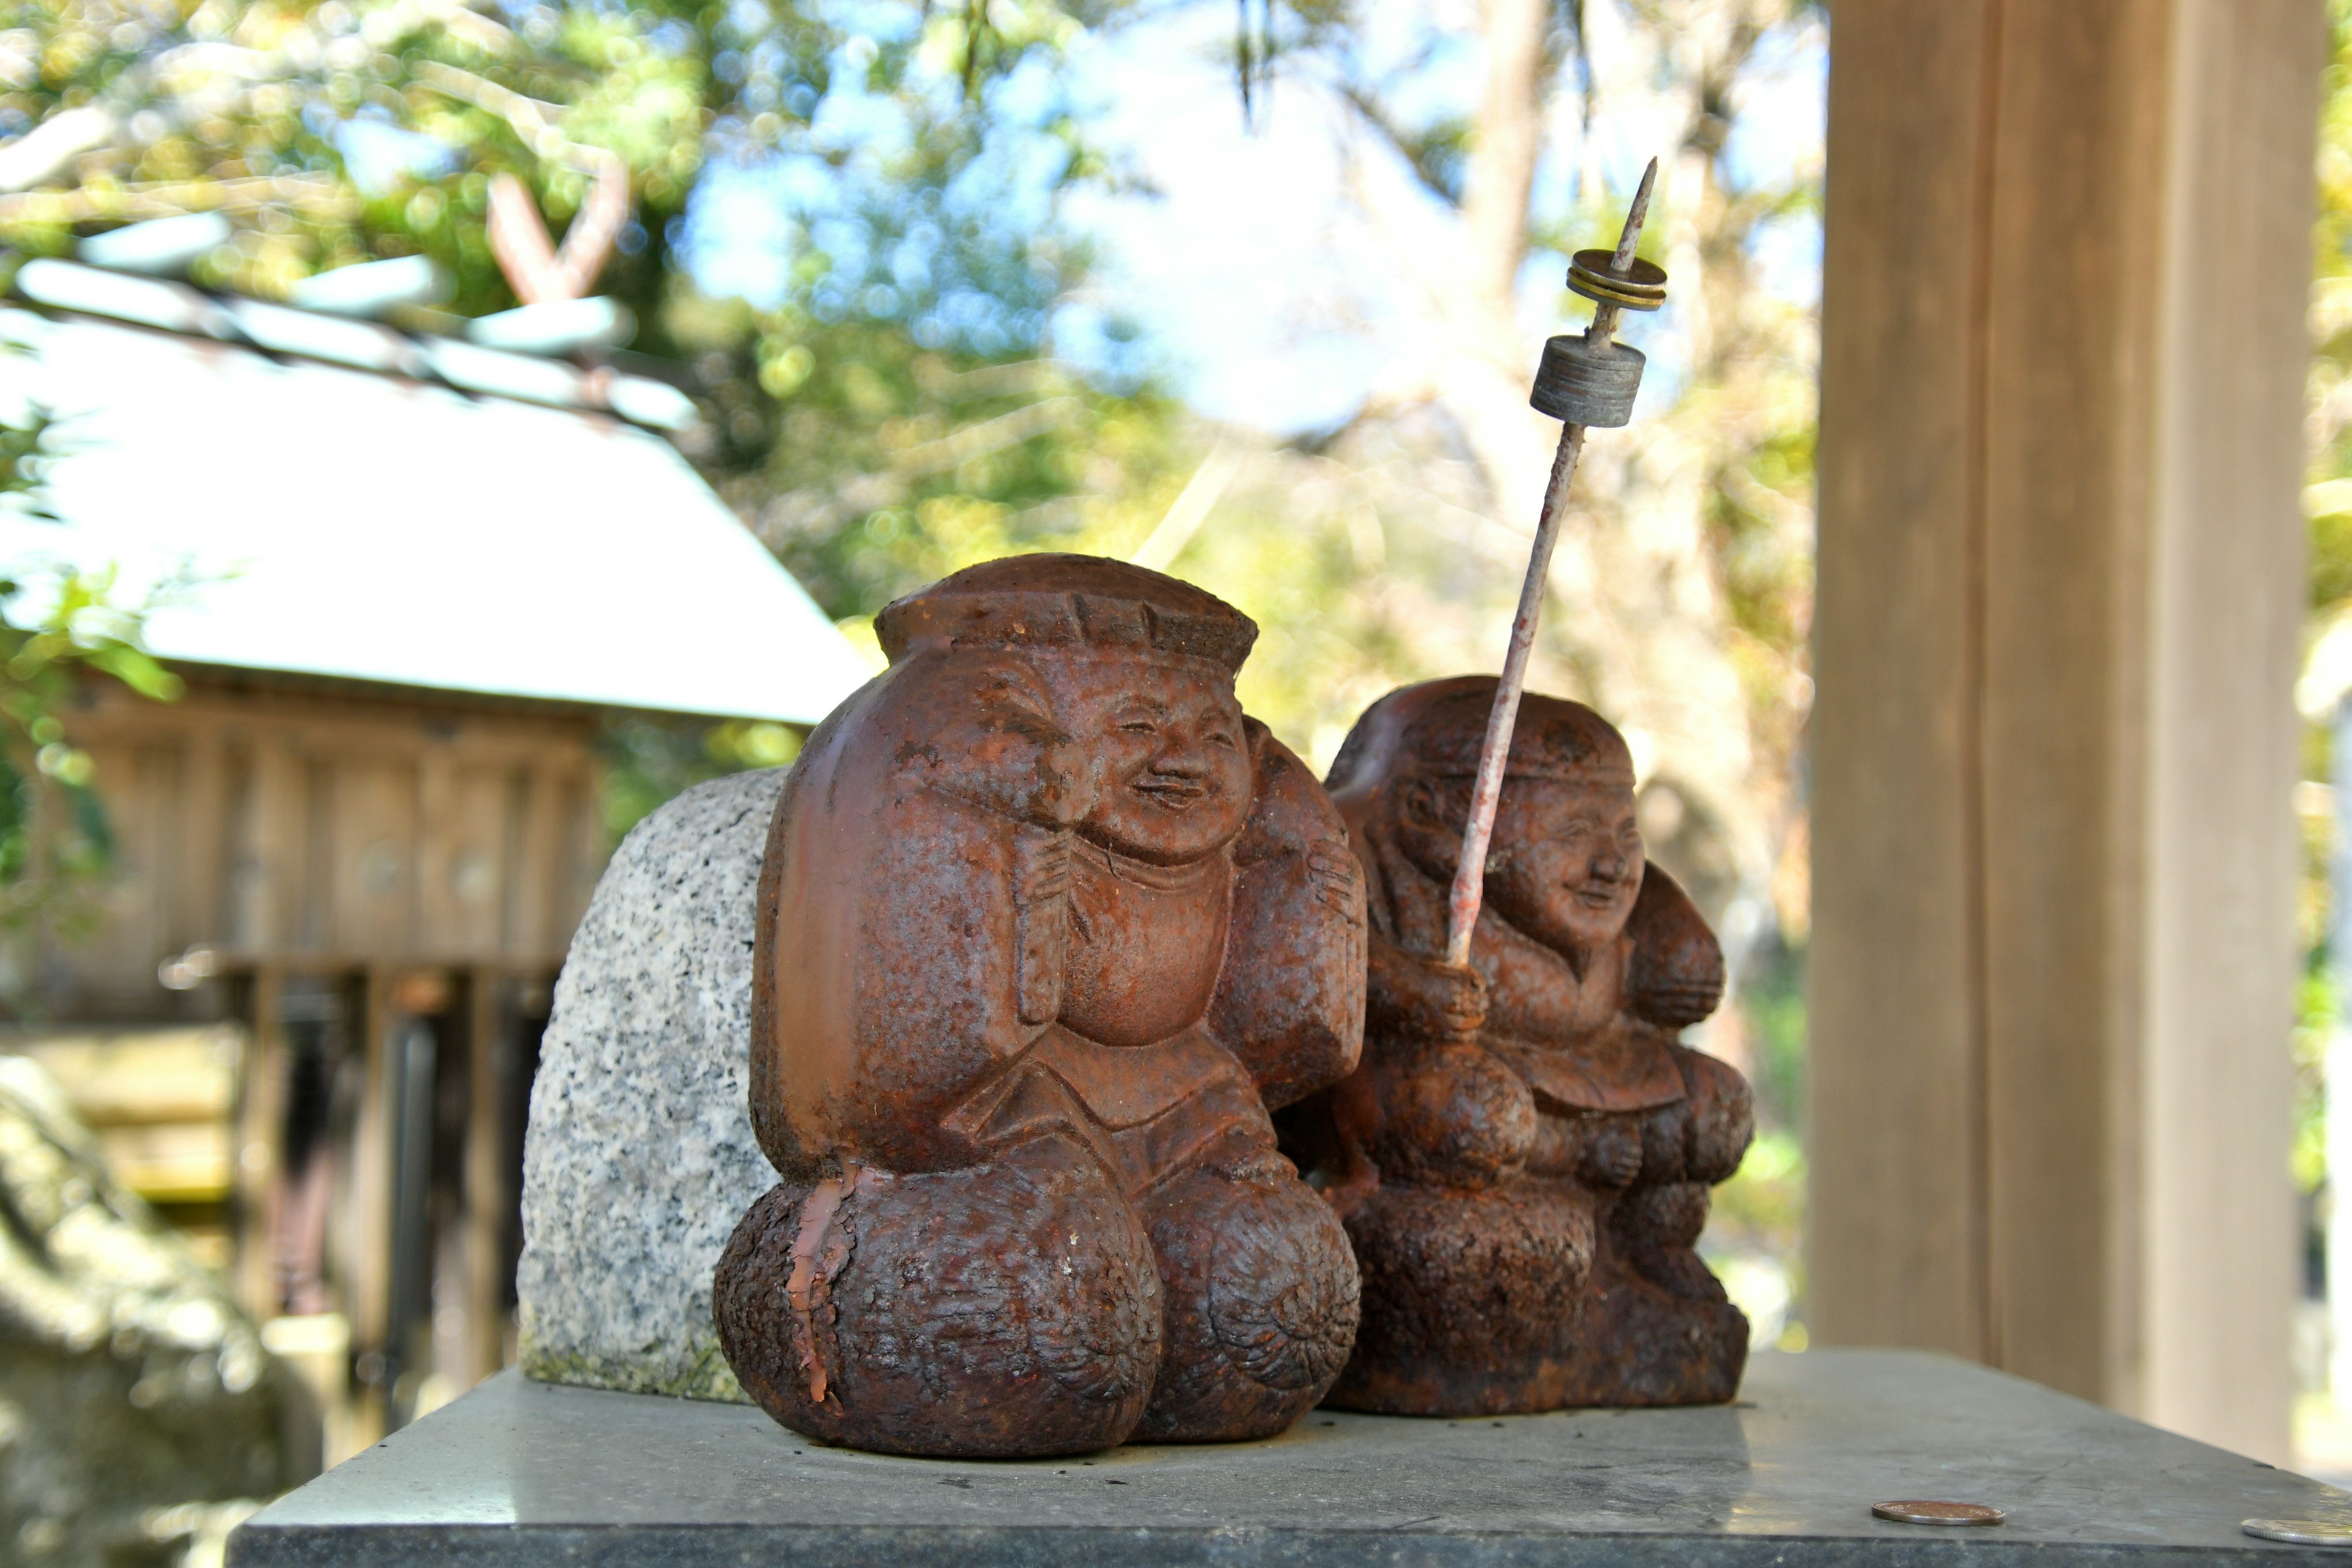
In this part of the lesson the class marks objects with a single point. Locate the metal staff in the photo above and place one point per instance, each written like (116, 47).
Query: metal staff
(1585, 381)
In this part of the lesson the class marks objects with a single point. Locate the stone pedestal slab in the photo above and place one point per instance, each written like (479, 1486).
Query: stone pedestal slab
(521, 1475)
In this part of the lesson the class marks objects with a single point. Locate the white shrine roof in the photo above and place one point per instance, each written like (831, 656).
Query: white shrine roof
(385, 525)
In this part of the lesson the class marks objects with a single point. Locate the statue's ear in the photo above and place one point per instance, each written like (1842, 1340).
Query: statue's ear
(1676, 976)
(1430, 837)
(1419, 805)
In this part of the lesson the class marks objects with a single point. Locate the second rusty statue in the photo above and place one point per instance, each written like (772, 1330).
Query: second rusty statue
(1524, 1156)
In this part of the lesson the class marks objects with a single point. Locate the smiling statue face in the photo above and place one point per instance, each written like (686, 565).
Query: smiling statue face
(1567, 861)
(1173, 772)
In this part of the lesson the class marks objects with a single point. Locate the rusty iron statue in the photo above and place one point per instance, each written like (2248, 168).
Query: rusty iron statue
(1045, 927)
(1523, 1158)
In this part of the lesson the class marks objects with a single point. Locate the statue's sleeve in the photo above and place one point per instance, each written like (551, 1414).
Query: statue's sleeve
(912, 916)
(1290, 1002)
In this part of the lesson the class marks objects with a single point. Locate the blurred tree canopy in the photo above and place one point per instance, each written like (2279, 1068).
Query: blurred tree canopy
(2327, 504)
(2329, 499)
(925, 261)
(55, 843)
(346, 130)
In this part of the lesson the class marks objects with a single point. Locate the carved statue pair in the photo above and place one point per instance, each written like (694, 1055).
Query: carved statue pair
(1049, 930)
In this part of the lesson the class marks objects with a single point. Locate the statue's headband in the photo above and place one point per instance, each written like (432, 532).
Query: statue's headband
(1046, 601)
(1435, 730)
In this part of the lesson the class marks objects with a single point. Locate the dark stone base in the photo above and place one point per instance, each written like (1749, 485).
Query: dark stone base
(521, 1475)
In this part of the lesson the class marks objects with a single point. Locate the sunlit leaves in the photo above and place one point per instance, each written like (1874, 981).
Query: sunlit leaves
(205, 103)
(55, 845)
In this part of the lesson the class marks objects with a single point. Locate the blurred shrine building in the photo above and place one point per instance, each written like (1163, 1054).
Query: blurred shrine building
(422, 574)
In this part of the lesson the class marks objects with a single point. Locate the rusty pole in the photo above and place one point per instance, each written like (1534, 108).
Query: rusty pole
(1591, 382)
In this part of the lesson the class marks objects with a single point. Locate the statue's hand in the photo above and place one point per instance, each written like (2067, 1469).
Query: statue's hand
(1462, 998)
(1422, 998)
(1333, 873)
(1612, 1152)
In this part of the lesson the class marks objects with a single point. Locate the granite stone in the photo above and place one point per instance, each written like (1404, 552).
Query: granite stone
(521, 1475)
(640, 1155)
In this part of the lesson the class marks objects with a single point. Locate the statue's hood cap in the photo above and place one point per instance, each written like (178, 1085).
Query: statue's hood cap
(1058, 601)
(1436, 728)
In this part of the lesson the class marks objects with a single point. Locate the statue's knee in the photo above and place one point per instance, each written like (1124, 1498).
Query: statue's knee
(1659, 1227)
(1260, 1295)
(1487, 1272)
(1722, 1116)
(1009, 1308)
(1454, 1116)
(1668, 1215)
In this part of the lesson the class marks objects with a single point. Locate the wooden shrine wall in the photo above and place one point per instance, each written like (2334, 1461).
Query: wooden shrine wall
(273, 825)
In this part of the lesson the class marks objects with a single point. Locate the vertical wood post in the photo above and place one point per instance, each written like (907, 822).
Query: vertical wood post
(367, 1258)
(2061, 580)
(489, 1200)
(261, 1143)
(198, 912)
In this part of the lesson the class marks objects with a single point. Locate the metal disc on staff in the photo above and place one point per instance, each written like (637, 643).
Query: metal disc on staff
(1640, 286)
(2301, 1532)
(1946, 1513)
(1586, 383)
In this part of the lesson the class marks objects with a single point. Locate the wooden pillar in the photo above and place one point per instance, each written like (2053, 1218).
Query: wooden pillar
(261, 1138)
(489, 1200)
(202, 820)
(367, 1261)
(2061, 583)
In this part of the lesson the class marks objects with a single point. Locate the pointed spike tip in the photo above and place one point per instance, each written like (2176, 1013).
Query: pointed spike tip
(1635, 216)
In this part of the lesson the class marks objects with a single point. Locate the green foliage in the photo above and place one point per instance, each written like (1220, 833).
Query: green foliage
(647, 760)
(335, 131)
(1772, 1003)
(339, 132)
(1765, 1199)
(898, 409)
(2329, 498)
(2315, 1016)
(23, 453)
(59, 627)
(55, 845)
(872, 465)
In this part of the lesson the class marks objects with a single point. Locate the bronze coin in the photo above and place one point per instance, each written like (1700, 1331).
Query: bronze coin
(2302, 1532)
(1911, 1513)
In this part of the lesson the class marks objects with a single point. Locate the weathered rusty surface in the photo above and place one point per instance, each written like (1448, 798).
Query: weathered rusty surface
(1046, 926)
(1523, 1157)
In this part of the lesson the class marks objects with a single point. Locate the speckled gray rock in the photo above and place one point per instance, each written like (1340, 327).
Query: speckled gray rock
(640, 1156)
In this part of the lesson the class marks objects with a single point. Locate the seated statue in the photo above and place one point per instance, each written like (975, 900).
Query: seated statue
(1045, 926)
(1523, 1158)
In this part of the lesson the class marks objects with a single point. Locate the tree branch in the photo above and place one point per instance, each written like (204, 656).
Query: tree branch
(1435, 159)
